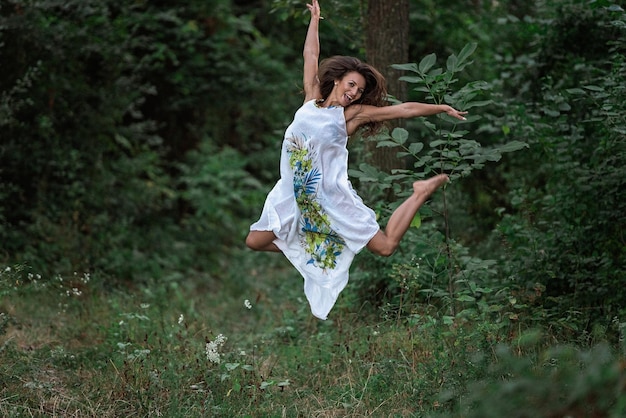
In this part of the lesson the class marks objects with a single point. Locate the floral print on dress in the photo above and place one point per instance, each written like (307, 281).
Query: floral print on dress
(319, 240)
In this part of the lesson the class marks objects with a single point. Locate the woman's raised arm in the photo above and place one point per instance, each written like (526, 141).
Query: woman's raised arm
(311, 54)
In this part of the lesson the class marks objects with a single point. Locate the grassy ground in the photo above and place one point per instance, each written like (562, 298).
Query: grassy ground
(76, 347)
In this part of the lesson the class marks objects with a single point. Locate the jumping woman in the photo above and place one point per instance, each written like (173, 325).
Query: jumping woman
(313, 215)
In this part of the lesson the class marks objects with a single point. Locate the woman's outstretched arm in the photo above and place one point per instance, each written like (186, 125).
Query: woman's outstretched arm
(311, 54)
(357, 115)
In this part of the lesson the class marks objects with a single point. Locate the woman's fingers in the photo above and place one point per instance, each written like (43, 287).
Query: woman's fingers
(314, 8)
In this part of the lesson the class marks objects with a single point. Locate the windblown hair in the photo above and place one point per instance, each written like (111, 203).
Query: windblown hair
(375, 92)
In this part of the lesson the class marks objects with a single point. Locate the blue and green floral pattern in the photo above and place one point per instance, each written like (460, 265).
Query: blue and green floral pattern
(319, 240)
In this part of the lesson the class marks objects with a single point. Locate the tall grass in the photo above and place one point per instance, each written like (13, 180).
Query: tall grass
(247, 346)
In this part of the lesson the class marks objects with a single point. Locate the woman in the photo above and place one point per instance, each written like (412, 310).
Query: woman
(313, 215)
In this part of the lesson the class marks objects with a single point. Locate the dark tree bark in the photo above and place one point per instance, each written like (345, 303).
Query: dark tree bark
(386, 43)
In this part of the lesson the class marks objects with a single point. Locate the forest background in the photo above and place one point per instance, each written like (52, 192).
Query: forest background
(138, 141)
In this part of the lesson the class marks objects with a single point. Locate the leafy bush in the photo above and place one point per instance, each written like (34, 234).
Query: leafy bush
(440, 270)
(556, 382)
(566, 229)
(101, 102)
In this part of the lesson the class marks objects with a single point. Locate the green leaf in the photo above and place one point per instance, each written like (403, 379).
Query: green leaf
(400, 135)
(430, 125)
(451, 64)
(492, 155)
(405, 67)
(427, 63)
(551, 113)
(388, 144)
(512, 146)
(438, 142)
(123, 141)
(478, 103)
(231, 366)
(416, 147)
(450, 154)
(236, 387)
(467, 51)
(417, 221)
(266, 384)
(436, 73)
(466, 298)
(575, 91)
(411, 79)
(422, 89)
(593, 88)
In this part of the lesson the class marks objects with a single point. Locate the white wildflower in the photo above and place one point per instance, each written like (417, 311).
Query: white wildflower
(247, 304)
(181, 318)
(212, 348)
(122, 346)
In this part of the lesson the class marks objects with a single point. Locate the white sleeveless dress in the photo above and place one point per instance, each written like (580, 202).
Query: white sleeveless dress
(319, 220)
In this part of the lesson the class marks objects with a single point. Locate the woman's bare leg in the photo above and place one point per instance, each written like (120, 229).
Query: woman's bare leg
(385, 243)
(262, 241)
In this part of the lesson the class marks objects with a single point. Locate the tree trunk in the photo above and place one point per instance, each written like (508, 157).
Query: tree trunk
(386, 43)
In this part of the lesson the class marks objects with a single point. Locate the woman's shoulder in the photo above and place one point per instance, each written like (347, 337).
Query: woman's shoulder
(308, 107)
(358, 112)
(308, 103)
(358, 115)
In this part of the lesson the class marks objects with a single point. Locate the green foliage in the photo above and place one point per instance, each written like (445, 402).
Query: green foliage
(556, 382)
(217, 191)
(138, 141)
(104, 105)
(445, 277)
(341, 29)
(450, 152)
(195, 348)
(566, 226)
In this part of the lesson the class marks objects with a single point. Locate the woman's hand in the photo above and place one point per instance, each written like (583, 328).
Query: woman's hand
(314, 8)
(450, 111)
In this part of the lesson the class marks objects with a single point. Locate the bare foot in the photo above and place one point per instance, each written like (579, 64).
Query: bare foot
(425, 188)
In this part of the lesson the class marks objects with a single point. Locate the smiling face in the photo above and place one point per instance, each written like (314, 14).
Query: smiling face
(348, 89)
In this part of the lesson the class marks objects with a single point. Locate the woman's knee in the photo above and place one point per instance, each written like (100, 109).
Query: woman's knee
(252, 241)
(259, 240)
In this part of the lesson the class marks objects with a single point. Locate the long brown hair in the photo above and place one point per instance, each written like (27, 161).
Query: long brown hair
(375, 92)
